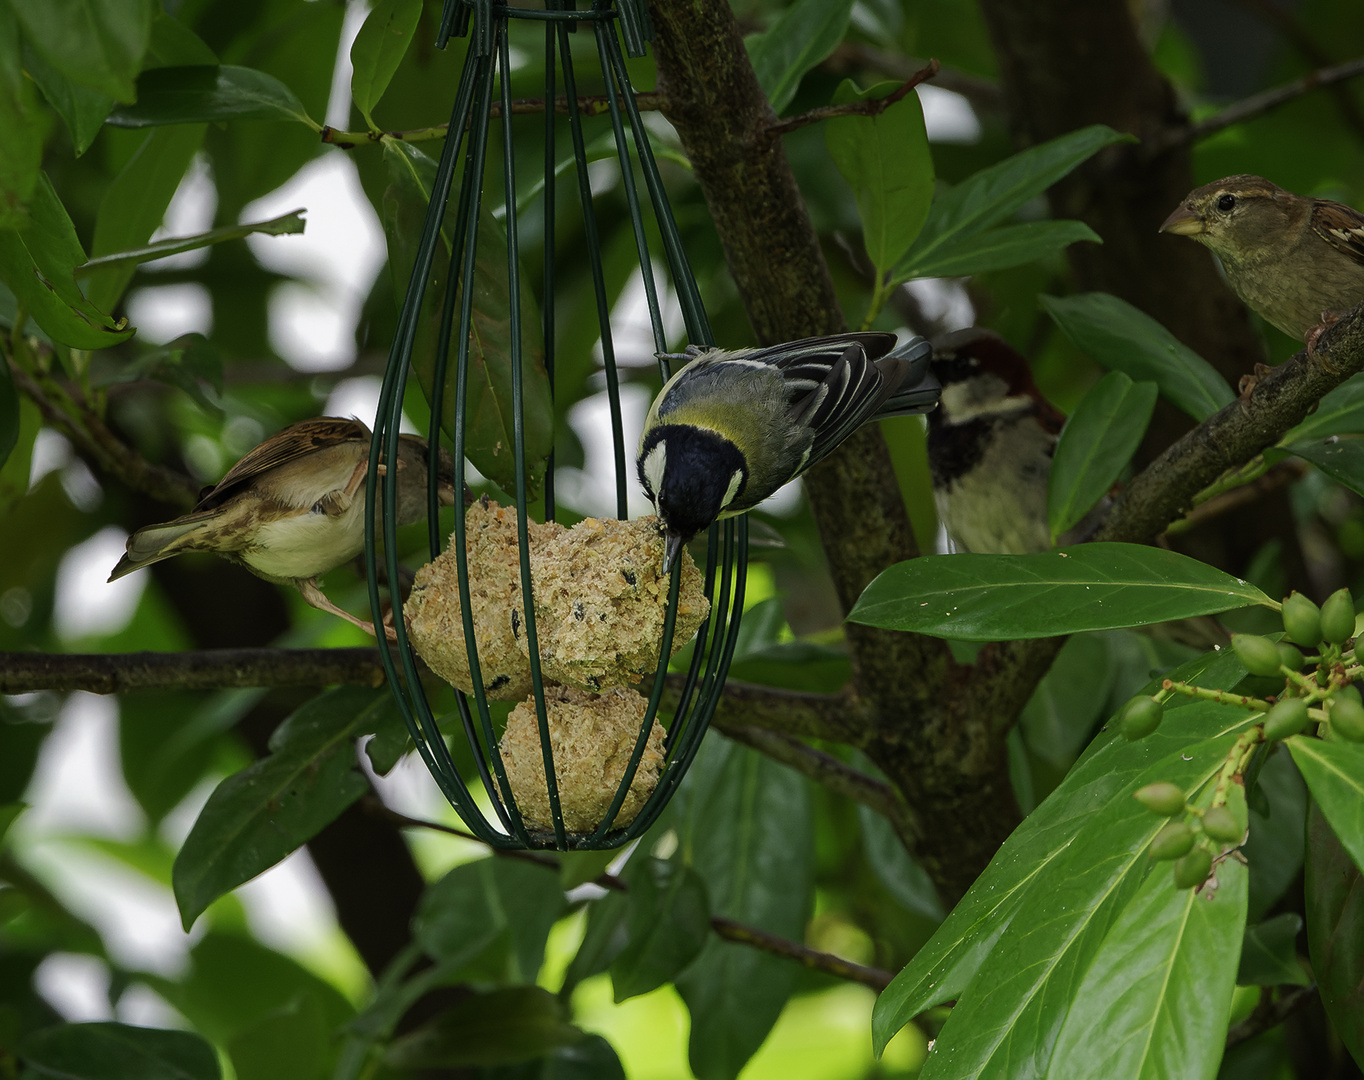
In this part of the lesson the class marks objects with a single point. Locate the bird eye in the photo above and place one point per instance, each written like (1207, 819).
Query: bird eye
(1226, 202)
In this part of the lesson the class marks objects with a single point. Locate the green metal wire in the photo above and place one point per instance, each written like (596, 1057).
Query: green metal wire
(485, 81)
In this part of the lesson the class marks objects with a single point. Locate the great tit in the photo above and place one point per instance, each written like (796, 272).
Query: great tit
(730, 428)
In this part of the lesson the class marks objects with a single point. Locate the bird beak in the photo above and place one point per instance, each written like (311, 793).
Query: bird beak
(671, 551)
(1184, 222)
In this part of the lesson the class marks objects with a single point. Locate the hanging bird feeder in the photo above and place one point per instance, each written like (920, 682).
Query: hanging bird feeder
(571, 623)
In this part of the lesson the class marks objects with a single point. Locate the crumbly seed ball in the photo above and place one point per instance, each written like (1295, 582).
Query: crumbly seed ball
(592, 737)
(601, 600)
(433, 612)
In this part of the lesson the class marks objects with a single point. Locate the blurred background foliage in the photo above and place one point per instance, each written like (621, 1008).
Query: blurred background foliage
(241, 338)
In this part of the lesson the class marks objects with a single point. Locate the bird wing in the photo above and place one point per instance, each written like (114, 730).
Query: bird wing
(1340, 226)
(847, 389)
(294, 442)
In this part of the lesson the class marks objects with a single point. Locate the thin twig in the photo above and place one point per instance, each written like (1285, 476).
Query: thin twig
(851, 108)
(1277, 476)
(877, 978)
(984, 95)
(1253, 106)
(588, 105)
(1270, 1014)
(827, 771)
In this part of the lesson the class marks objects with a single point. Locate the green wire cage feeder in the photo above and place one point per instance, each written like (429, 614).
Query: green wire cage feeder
(650, 757)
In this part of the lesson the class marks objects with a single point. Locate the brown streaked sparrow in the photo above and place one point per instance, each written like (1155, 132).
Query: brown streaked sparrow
(1296, 261)
(990, 445)
(288, 510)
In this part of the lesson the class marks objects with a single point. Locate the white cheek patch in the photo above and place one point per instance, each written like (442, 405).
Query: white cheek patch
(734, 482)
(655, 464)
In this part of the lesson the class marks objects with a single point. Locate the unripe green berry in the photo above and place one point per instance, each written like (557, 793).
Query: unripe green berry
(1193, 869)
(1338, 617)
(1220, 824)
(1288, 717)
(1351, 691)
(1259, 655)
(1172, 841)
(1164, 798)
(1302, 620)
(1290, 656)
(1347, 719)
(1140, 717)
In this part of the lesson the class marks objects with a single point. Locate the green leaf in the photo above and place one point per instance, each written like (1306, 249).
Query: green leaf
(604, 938)
(495, 913)
(993, 194)
(209, 94)
(1269, 953)
(498, 1028)
(668, 924)
(904, 879)
(1003, 248)
(23, 127)
(1111, 769)
(1340, 459)
(38, 264)
(1007, 597)
(1061, 892)
(379, 49)
(1334, 772)
(1335, 930)
(186, 363)
(8, 813)
(1277, 832)
(745, 825)
(1155, 999)
(489, 419)
(293, 1042)
(1341, 412)
(285, 225)
(256, 817)
(1062, 713)
(1095, 446)
(82, 110)
(96, 43)
(802, 37)
(235, 982)
(134, 205)
(886, 160)
(108, 1051)
(9, 414)
(1121, 338)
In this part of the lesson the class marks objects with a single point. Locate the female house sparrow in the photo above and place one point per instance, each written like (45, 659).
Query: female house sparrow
(1296, 261)
(990, 445)
(288, 512)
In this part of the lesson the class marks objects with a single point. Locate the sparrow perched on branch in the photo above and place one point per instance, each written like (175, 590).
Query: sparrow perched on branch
(1298, 262)
(289, 511)
(730, 428)
(990, 446)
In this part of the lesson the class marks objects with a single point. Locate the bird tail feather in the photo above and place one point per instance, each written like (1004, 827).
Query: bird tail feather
(918, 390)
(153, 543)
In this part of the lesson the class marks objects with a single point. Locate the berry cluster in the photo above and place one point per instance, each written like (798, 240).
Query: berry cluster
(1317, 663)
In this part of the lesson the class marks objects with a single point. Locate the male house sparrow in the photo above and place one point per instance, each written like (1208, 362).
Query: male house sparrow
(1296, 261)
(288, 510)
(990, 446)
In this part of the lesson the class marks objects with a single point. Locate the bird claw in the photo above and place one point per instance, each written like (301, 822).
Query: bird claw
(1247, 384)
(1328, 320)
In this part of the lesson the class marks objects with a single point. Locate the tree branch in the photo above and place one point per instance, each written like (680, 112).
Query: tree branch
(1251, 107)
(88, 432)
(1270, 1014)
(211, 669)
(1165, 489)
(588, 105)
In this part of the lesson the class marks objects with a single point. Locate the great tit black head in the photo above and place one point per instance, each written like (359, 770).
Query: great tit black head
(691, 475)
(730, 428)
